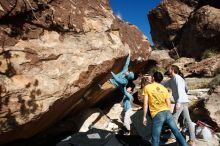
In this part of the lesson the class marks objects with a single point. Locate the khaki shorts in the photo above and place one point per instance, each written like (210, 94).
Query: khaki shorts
(108, 85)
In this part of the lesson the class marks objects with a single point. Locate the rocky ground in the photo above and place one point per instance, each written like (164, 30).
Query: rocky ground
(107, 116)
(110, 119)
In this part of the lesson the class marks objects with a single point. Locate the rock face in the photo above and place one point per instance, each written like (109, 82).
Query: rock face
(53, 54)
(161, 57)
(167, 19)
(208, 67)
(201, 32)
(182, 63)
(193, 26)
(211, 105)
(205, 106)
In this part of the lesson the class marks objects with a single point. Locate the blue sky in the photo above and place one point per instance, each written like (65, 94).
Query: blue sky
(135, 12)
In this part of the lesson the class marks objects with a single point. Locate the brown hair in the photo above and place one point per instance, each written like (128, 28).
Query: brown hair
(176, 70)
(144, 81)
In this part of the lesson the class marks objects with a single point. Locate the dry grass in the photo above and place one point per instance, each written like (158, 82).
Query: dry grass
(198, 83)
(209, 53)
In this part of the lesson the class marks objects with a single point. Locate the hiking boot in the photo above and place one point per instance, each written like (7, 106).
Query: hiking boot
(191, 143)
(170, 140)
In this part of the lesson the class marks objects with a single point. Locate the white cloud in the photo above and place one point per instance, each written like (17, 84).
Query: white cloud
(119, 15)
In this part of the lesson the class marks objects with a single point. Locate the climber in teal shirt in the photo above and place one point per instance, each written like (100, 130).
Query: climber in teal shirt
(120, 81)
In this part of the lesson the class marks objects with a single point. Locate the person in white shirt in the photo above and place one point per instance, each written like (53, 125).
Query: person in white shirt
(179, 92)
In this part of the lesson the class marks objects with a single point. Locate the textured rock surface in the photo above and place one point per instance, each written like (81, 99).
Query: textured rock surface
(182, 63)
(161, 57)
(211, 105)
(204, 105)
(91, 118)
(204, 108)
(198, 83)
(191, 25)
(201, 32)
(208, 67)
(167, 19)
(53, 54)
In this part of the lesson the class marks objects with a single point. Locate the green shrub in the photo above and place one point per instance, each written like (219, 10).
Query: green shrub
(157, 68)
(209, 53)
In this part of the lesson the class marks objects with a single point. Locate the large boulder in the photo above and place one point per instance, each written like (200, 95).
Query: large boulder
(182, 63)
(208, 67)
(212, 103)
(204, 107)
(202, 32)
(161, 58)
(167, 19)
(192, 26)
(54, 53)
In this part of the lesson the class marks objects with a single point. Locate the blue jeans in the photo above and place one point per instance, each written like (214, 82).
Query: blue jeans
(158, 121)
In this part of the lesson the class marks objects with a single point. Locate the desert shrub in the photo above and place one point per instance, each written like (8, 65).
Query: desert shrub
(157, 68)
(209, 53)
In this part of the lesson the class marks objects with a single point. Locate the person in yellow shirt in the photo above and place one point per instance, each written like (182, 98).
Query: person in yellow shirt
(156, 97)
